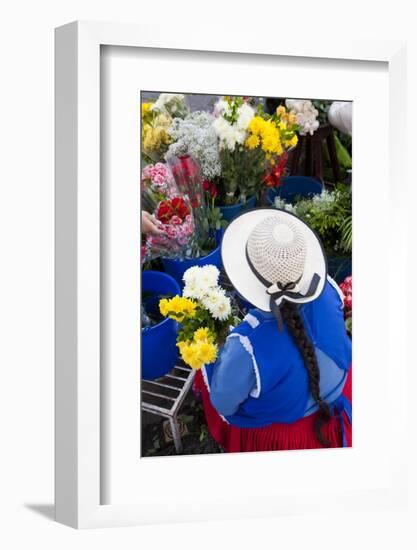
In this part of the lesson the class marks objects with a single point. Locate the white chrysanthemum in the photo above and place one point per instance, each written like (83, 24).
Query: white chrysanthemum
(194, 290)
(221, 107)
(218, 304)
(190, 276)
(245, 115)
(221, 126)
(209, 276)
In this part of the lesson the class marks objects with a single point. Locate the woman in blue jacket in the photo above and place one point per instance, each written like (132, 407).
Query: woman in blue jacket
(283, 377)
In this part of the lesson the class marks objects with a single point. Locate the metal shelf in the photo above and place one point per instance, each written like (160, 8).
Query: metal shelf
(163, 397)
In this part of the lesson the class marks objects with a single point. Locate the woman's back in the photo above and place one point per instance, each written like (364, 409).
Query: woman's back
(260, 376)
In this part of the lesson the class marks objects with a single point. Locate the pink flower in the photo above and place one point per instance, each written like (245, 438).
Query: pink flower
(176, 220)
(171, 231)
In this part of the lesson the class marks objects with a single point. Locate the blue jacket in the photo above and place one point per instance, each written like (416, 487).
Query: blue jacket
(260, 377)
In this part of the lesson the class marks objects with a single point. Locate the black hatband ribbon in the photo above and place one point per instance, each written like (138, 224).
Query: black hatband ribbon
(284, 291)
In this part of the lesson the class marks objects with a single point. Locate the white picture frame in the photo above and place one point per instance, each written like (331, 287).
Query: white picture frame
(78, 404)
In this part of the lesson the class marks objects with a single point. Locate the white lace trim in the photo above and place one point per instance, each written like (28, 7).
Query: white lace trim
(244, 340)
(205, 378)
(251, 320)
(338, 290)
(206, 382)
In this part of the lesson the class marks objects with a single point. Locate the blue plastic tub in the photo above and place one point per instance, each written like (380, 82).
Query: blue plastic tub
(293, 187)
(230, 212)
(339, 267)
(159, 350)
(177, 268)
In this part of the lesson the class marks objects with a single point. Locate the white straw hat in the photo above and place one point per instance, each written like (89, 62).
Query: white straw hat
(271, 255)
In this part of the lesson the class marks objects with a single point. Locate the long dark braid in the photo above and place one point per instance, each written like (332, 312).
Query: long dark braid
(295, 324)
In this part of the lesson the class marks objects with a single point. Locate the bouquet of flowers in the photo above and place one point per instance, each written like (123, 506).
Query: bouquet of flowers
(172, 212)
(189, 179)
(306, 115)
(252, 146)
(204, 313)
(157, 184)
(241, 167)
(274, 135)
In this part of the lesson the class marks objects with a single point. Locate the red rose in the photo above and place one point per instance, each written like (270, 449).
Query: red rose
(180, 207)
(164, 212)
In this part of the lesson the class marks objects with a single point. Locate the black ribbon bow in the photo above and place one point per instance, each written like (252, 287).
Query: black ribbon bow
(285, 290)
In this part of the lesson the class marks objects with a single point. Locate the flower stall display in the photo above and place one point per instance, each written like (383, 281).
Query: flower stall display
(200, 169)
(204, 313)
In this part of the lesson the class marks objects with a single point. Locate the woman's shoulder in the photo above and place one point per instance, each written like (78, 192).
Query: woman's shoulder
(330, 299)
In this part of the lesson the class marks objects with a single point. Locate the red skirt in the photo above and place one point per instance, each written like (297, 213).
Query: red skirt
(278, 436)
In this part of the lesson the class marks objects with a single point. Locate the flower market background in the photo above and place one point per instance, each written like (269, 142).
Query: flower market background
(204, 160)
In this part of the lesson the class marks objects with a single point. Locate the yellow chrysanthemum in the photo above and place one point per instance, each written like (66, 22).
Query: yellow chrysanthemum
(197, 354)
(256, 125)
(252, 142)
(163, 307)
(146, 107)
(202, 335)
(271, 143)
(190, 355)
(177, 308)
(207, 352)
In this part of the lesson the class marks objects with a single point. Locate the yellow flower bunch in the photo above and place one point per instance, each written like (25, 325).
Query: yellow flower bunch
(199, 351)
(264, 133)
(155, 135)
(274, 134)
(177, 308)
(146, 107)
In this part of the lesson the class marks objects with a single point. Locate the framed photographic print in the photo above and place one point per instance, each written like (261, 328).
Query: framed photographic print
(223, 343)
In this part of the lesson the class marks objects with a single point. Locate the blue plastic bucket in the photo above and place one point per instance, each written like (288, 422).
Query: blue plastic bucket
(339, 267)
(230, 212)
(293, 187)
(159, 350)
(177, 268)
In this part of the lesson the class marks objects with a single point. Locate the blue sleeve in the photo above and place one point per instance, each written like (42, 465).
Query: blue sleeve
(233, 378)
(326, 320)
